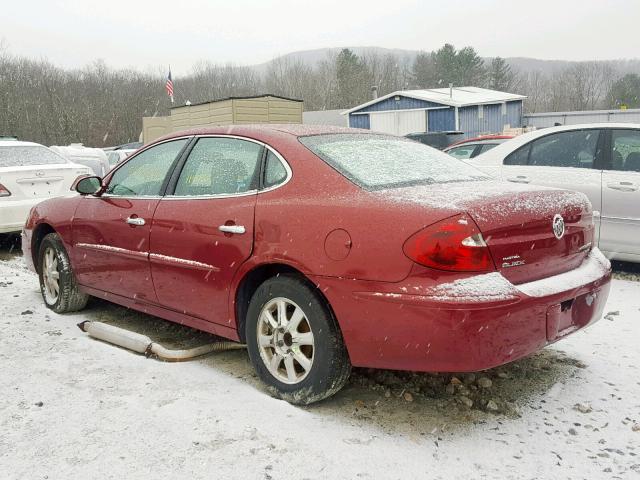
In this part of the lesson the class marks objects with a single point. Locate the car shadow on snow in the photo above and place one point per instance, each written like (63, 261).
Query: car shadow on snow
(396, 402)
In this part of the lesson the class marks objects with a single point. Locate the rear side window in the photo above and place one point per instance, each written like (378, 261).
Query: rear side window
(218, 166)
(626, 150)
(23, 156)
(462, 152)
(575, 149)
(144, 174)
(381, 161)
(519, 157)
(274, 171)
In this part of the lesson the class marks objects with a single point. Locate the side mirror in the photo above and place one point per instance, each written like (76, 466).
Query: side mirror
(89, 185)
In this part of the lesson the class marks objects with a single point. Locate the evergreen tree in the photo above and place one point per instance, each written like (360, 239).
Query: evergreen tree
(500, 76)
(469, 68)
(625, 91)
(352, 79)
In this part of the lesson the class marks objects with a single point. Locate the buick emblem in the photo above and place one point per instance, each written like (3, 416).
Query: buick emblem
(40, 173)
(558, 226)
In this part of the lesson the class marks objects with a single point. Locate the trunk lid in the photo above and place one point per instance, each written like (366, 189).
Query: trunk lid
(40, 181)
(517, 223)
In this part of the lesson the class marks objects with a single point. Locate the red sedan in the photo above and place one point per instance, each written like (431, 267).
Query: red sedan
(323, 248)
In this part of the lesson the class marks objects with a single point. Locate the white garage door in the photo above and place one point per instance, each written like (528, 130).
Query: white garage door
(400, 122)
(384, 122)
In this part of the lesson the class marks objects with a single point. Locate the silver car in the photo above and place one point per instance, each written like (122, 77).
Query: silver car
(601, 160)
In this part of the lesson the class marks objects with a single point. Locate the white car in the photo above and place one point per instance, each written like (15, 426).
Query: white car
(116, 156)
(30, 173)
(94, 158)
(601, 160)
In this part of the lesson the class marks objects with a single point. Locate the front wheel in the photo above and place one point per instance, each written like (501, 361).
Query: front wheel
(57, 281)
(294, 342)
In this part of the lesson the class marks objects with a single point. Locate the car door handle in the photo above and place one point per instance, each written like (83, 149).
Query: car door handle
(519, 179)
(239, 229)
(135, 221)
(623, 186)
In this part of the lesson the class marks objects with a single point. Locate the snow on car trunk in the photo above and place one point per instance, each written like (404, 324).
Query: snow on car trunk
(532, 232)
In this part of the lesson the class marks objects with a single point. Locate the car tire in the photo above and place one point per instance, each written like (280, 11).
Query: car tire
(277, 343)
(60, 294)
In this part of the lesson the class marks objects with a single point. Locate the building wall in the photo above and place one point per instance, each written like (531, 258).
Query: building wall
(493, 119)
(549, 119)
(325, 117)
(403, 103)
(441, 120)
(359, 121)
(224, 112)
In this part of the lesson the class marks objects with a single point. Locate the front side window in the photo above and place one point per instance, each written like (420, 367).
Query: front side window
(486, 147)
(575, 149)
(625, 155)
(462, 152)
(382, 161)
(218, 166)
(144, 174)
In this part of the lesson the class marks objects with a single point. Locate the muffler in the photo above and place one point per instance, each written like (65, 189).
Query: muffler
(142, 344)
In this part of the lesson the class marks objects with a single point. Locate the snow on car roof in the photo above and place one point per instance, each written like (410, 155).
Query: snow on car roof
(16, 143)
(295, 129)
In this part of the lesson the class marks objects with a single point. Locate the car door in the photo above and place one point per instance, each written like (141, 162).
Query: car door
(111, 231)
(620, 229)
(569, 159)
(202, 231)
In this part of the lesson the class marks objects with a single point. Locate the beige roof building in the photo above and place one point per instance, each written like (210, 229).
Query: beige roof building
(228, 111)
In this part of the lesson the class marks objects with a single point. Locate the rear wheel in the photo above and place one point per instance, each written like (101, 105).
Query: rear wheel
(57, 281)
(294, 342)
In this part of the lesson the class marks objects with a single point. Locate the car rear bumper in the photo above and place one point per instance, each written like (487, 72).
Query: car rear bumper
(14, 213)
(418, 327)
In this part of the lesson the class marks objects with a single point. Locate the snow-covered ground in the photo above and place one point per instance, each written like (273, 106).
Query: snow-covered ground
(73, 407)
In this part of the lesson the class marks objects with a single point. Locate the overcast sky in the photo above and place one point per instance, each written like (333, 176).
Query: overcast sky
(153, 33)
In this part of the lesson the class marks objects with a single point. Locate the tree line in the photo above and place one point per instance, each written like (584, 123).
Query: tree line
(102, 106)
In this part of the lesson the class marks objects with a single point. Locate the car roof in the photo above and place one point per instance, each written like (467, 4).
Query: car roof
(16, 143)
(482, 138)
(490, 141)
(260, 130)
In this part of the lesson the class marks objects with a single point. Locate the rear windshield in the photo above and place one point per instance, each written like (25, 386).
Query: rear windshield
(21, 156)
(382, 161)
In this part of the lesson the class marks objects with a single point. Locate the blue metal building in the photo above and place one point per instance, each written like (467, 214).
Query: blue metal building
(472, 110)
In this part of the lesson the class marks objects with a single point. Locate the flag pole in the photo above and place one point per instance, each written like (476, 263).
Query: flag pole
(171, 96)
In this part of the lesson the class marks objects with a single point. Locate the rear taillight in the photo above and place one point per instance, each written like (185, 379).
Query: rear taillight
(4, 191)
(453, 244)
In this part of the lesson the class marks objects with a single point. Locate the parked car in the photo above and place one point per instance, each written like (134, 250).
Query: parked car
(600, 160)
(116, 156)
(439, 140)
(30, 173)
(322, 248)
(94, 158)
(473, 147)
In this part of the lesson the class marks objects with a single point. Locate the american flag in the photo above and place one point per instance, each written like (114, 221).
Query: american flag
(169, 86)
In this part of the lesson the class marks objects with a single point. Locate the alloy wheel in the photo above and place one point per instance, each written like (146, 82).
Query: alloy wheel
(50, 276)
(285, 340)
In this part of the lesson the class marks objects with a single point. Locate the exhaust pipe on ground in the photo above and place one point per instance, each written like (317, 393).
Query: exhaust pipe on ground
(142, 344)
